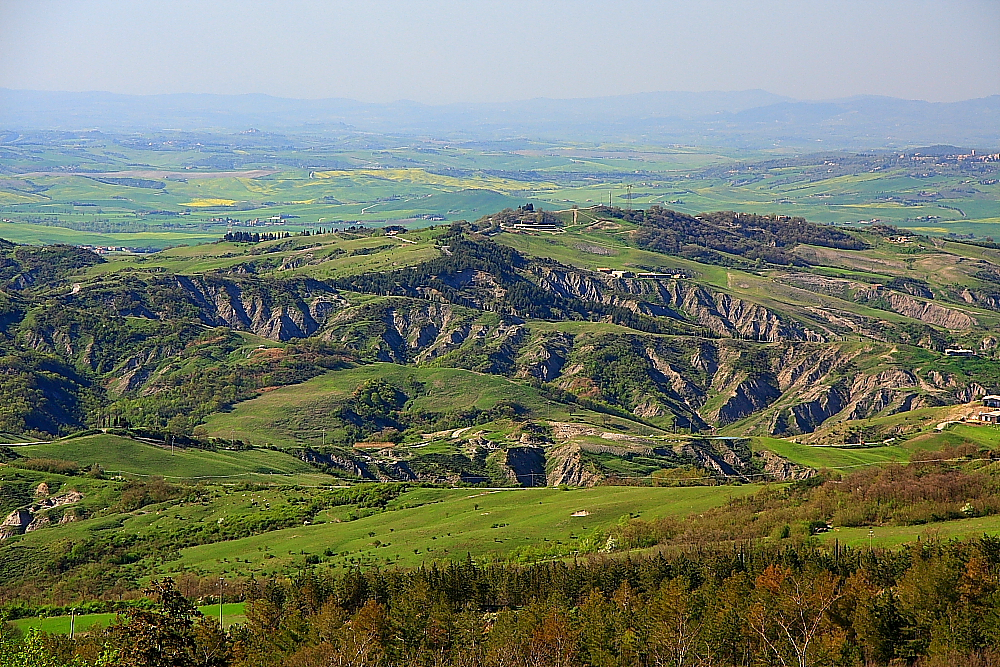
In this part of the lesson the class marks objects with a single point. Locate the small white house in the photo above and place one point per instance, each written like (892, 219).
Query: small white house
(990, 417)
(991, 401)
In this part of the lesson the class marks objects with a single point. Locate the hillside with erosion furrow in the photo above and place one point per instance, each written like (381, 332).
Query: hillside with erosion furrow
(720, 324)
(295, 393)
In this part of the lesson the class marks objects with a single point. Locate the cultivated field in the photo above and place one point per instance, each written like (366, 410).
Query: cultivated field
(91, 191)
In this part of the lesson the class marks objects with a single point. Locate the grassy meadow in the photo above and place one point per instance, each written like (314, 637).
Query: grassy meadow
(836, 458)
(121, 455)
(296, 415)
(449, 524)
(891, 537)
(232, 613)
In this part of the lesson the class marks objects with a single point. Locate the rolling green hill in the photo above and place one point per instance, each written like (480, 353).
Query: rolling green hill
(526, 524)
(836, 458)
(395, 396)
(731, 331)
(116, 454)
(298, 414)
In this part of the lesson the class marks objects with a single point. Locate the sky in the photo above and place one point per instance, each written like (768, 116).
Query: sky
(443, 51)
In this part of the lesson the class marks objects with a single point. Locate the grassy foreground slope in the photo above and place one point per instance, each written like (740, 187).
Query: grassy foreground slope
(121, 533)
(896, 536)
(450, 524)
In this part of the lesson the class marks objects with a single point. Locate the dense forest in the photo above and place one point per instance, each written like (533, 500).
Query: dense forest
(931, 604)
(747, 583)
(730, 238)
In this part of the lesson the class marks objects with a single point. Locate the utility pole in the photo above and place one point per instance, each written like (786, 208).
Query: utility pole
(871, 534)
(222, 583)
(72, 622)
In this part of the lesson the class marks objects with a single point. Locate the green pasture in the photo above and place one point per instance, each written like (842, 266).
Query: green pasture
(215, 506)
(297, 414)
(984, 436)
(34, 234)
(838, 458)
(387, 254)
(894, 536)
(846, 458)
(14, 437)
(232, 613)
(319, 256)
(590, 249)
(443, 524)
(118, 454)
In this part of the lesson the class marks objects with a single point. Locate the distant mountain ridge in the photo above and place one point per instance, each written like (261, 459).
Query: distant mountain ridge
(749, 118)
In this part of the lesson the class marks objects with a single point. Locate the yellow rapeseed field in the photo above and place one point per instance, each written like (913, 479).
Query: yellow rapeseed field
(18, 198)
(422, 177)
(209, 202)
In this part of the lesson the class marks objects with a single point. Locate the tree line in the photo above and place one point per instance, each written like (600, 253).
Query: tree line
(730, 238)
(929, 604)
(254, 237)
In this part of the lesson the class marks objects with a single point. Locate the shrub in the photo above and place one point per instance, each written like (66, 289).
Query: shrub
(57, 466)
(138, 494)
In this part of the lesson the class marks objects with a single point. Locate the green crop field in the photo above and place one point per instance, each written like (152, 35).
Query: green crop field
(108, 191)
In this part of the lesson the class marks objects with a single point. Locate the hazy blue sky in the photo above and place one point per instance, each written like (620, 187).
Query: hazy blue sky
(445, 51)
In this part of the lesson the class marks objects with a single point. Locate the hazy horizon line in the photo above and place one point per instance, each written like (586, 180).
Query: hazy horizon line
(506, 101)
